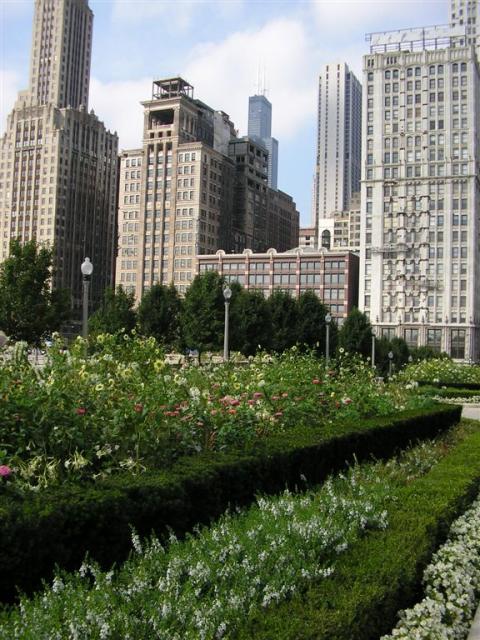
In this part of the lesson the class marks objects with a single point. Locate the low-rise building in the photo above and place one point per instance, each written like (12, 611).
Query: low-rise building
(331, 275)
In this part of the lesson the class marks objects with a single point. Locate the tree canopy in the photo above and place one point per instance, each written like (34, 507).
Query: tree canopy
(158, 314)
(29, 309)
(115, 314)
(202, 317)
(355, 335)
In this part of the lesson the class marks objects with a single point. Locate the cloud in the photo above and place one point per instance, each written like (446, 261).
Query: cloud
(339, 19)
(224, 73)
(9, 87)
(176, 14)
(118, 105)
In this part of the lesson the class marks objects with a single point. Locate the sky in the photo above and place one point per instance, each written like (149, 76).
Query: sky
(219, 46)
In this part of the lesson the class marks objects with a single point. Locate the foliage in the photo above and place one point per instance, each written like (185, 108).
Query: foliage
(284, 314)
(451, 586)
(244, 564)
(382, 572)
(60, 523)
(124, 408)
(158, 314)
(116, 315)
(355, 335)
(29, 309)
(398, 347)
(427, 353)
(443, 372)
(311, 332)
(250, 321)
(202, 318)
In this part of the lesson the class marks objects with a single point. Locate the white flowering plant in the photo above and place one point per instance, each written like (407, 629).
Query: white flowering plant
(452, 586)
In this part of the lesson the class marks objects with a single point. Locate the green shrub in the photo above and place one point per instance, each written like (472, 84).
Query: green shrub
(59, 525)
(382, 573)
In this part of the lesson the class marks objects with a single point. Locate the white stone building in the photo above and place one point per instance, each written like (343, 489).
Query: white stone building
(419, 271)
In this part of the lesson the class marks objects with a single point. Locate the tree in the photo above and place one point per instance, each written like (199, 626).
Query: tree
(158, 314)
(250, 321)
(29, 309)
(355, 335)
(202, 317)
(311, 330)
(398, 347)
(283, 309)
(116, 313)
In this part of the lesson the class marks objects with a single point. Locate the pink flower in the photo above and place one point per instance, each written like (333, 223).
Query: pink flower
(5, 471)
(213, 412)
(81, 411)
(232, 411)
(278, 414)
(347, 401)
(285, 395)
(316, 381)
(275, 398)
(138, 407)
(257, 395)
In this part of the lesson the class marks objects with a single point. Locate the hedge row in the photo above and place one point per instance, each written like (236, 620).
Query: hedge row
(58, 527)
(450, 392)
(454, 385)
(382, 573)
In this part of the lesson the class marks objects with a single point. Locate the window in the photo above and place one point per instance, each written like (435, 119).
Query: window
(434, 339)
(457, 343)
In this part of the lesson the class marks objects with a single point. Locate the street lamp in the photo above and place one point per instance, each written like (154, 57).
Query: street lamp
(390, 363)
(373, 348)
(227, 294)
(328, 319)
(87, 269)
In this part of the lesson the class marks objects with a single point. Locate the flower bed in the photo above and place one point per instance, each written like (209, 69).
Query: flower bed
(206, 586)
(452, 586)
(381, 574)
(441, 372)
(62, 523)
(125, 410)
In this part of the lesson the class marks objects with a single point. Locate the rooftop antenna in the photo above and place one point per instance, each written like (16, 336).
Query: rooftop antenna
(264, 88)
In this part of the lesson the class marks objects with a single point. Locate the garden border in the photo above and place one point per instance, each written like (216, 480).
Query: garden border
(58, 526)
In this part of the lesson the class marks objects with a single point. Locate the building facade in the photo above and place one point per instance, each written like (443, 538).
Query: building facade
(260, 129)
(331, 275)
(338, 164)
(466, 14)
(58, 163)
(419, 276)
(195, 188)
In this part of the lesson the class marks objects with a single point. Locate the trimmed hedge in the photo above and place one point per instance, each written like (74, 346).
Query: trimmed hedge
(450, 392)
(59, 526)
(382, 573)
(473, 386)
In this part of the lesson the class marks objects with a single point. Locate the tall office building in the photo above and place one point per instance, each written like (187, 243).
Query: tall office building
(191, 189)
(338, 166)
(420, 261)
(58, 163)
(260, 130)
(466, 14)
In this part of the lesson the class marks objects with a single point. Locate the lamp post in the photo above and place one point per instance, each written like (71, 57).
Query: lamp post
(373, 348)
(87, 270)
(328, 319)
(390, 363)
(227, 294)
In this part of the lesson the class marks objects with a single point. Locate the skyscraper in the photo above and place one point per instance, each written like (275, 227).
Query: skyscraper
(466, 14)
(337, 175)
(193, 188)
(58, 163)
(260, 130)
(420, 211)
